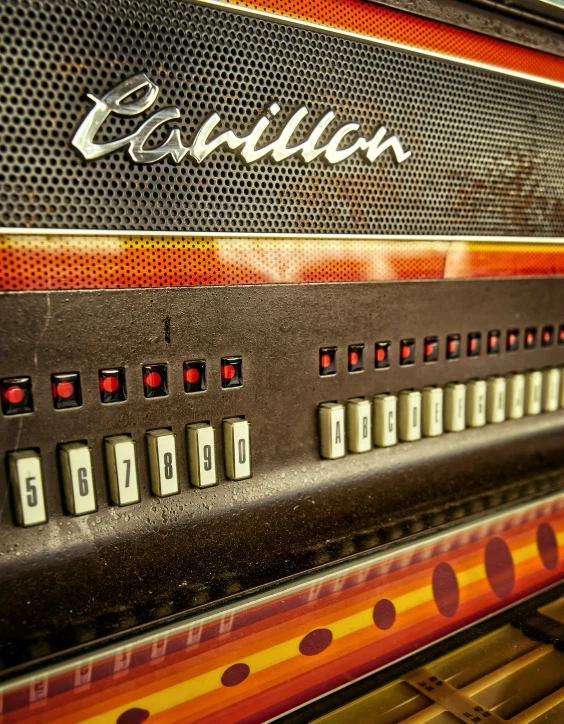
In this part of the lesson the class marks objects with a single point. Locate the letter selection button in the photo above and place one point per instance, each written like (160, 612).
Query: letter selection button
(122, 469)
(533, 392)
(550, 389)
(332, 430)
(26, 481)
(476, 403)
(515, 396)
(201, 454)
(237, 448)
(359, 425)
(161, 445)
(385, 420)
(432, 413)
(78, 480)
(495, 399)
(409, 414)
(455, 407)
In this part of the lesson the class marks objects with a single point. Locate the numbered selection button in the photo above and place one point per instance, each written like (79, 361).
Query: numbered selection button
(432, 411)
(515, 396)
(476, 403)
(455, 407)
(550, 389)
(161, 445)
(78, 481)
(533, 392)
(122, 469)
(27, 488)
(359, 425)
(201, 454)
(332, 430)
(385, 420)
(495, 399)
(409, 413)
(237, 447)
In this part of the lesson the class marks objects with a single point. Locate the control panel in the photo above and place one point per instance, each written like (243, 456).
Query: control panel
(171, 427)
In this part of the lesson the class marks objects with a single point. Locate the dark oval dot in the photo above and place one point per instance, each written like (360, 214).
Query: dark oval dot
(235, 674)
(315, 642)
(499, 567)
(133, 716)
(547, 545)
(384, 614)
(445, 590)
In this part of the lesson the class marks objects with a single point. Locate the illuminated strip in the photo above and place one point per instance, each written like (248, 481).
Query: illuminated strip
(101, 261)
(366, 20)
(274, 652)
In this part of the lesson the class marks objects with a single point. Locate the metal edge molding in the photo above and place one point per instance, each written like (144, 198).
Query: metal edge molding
(311, 237)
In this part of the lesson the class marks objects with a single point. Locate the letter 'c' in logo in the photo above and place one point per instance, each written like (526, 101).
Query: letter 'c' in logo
(138, 94)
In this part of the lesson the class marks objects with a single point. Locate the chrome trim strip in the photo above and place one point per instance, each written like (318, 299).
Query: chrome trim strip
(11, 230)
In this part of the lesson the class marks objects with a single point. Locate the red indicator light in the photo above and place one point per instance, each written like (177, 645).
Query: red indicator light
(381, 355)
(325, 361)
(428, 349)
(546, 336)
(14, 395)
(353, 358)
(109, 384)
(405, 351)
(512, 339)
(192, 375)
(473, 344)
(452, 346)
(64, 390)
(153, 379)
(530, 338)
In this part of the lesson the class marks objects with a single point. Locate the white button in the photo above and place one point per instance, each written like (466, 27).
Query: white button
(201, 454)
(385, 420)
(515, 396)
(455, 407)
(359, 425)
(533, 392)
(161, 445)
(495, 399)
(409, 414)
(27, 488)
(476, 403)
(332, 430)
(237, 448)
(122, 469)
(78, 481)
(432, 412)
(550, 389)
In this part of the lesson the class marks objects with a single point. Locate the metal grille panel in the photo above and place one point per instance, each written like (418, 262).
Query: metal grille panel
(486, 157)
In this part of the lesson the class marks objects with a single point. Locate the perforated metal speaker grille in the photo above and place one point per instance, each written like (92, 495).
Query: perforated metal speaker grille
(487, 157)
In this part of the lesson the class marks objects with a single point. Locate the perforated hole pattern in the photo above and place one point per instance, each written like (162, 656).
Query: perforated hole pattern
(487, 157)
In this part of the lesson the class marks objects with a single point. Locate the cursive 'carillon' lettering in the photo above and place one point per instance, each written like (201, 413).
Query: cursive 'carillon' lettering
(137, 95)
